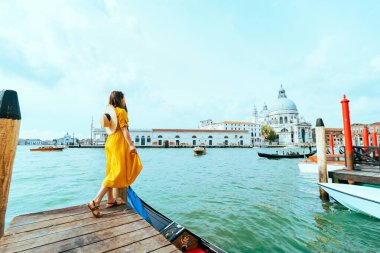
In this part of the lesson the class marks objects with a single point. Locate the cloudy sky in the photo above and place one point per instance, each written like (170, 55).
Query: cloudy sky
(179, 62)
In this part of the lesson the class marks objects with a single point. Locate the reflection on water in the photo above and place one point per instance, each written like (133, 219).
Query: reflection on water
(231, 197)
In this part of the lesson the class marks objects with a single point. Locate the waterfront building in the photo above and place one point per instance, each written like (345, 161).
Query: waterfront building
(357, 133)
(284, 119)
(253, 128)
(33, 142)
(182, 137)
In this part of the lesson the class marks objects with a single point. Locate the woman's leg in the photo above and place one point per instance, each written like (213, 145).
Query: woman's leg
(103, 190)
(110, 198)
(94, 204)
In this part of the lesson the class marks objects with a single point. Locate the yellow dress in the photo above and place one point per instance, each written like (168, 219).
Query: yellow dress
(123, 167)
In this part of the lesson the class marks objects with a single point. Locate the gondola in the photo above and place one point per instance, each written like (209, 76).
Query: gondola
(286, 155)
(179, 236)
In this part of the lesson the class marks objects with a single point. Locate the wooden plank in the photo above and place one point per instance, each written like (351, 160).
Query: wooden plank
(69, 234)
(108, 214)
(150, 244)
(118, 240)
(357, 176)
(47, 215)
(96, 242)
(167, 249)
(54, 222)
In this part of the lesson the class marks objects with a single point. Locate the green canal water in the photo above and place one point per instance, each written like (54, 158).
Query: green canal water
(231, 197)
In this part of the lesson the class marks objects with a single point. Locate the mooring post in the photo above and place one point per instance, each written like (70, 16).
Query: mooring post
(331, 143)
(320, 135)
(374, 143)
(10, 119)
(365, 138)
(347, 134)
(120, 193)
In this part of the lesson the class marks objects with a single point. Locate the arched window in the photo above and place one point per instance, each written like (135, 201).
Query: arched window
(225, 137)
(194, 136)
(160, 136)
(286, 119)
(137, 139)
(210, 137)
(148, 139)
(241, 137)
(177, 136)
(281, 120)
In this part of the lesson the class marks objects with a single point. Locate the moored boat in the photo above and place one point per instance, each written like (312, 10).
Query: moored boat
(285, 155)
(199, 151)
(333, 162)
(179, 236)
(358, 198)
(47, 149)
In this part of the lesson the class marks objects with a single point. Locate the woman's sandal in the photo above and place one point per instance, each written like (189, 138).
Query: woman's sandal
(94, 209)
(115, 203)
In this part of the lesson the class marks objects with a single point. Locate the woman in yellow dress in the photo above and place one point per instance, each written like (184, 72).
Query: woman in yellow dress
(123, 162)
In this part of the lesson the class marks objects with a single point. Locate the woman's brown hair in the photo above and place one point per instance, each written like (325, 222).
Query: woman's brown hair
(115, 99)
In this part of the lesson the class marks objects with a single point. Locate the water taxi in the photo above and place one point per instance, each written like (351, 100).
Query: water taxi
(199, 151)
(47, 149)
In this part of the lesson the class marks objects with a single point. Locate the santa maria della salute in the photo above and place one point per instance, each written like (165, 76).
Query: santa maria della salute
(284, 119)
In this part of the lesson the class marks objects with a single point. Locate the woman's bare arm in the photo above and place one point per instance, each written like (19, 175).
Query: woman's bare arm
(127, 137)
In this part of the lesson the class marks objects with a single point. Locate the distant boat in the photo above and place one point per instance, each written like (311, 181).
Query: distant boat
(333, 162)
(358, 198)
(199, 151)
(286, 155)
(179, 236)
(47, 149)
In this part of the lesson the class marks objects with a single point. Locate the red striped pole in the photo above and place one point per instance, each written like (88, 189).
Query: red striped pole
(347, 133)
(331, 143)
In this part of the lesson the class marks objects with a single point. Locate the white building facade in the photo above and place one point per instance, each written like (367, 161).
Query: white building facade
(284, 119)
(183, 137)
(254, 129)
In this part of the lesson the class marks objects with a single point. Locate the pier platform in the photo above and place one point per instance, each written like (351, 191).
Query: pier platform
(74, 229)
(365, 175)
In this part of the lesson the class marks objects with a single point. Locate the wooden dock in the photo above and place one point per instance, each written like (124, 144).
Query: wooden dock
(365, 176)
(74, 229)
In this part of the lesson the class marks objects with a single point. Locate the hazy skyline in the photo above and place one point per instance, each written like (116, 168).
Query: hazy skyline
(179, 62)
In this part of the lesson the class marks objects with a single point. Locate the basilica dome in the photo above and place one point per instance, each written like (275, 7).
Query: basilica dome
(283, 103)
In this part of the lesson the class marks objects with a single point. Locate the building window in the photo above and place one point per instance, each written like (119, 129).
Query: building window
(160, 142)
(160, 136)
(194, 136)
(137, 139)
(210, 142)
(210, 137)
(148, 139)
(225, 137)
(280, 120)
(286, 120)
(194, 142)
(177, 136)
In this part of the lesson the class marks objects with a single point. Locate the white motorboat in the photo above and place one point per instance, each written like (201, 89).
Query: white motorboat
(307, 167)
(358, 198)
(310, 165)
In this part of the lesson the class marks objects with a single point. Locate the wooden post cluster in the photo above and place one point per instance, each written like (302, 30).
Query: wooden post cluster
(10, 119)
(320, 134)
